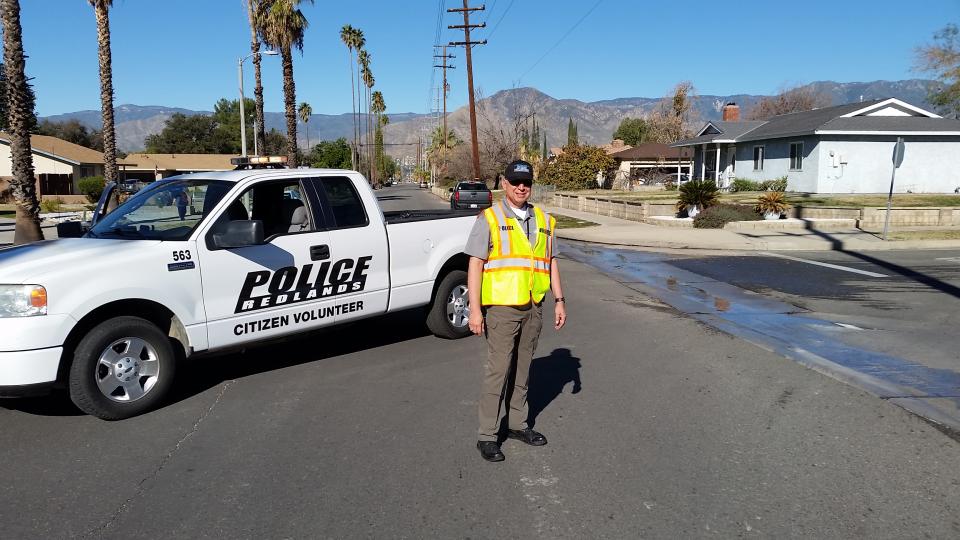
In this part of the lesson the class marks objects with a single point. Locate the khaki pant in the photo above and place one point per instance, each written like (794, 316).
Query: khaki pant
(512, 335)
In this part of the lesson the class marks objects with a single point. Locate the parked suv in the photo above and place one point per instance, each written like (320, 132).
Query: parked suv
(470, 195)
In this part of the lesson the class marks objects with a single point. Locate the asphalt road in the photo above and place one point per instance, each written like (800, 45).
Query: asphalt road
(407, 197)
(659, 426)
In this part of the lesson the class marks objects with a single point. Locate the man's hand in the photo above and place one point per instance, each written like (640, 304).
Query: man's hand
(559, 315)
(476, 322)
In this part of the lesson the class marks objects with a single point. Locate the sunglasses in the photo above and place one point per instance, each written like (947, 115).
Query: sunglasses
(517, 182)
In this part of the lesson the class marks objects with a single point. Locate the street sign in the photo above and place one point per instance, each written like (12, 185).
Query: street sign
(898, 153)
(898, 150)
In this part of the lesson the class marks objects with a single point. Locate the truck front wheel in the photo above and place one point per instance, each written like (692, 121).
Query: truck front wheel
(121, 368)
(450, 311)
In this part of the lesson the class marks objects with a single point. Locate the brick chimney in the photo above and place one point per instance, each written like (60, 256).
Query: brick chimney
(731, 112)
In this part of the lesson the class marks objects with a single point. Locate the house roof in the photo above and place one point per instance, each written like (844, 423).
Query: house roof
(876, 117)
(802, 123)
(63, 150)
(651, 151)
(180, 162)
(896, 124)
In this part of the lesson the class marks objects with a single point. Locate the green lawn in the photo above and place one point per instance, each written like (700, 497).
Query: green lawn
(567, 222)
(5, 214)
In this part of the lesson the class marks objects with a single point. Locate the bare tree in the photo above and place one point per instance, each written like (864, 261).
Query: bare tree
(789, 100)
(673, 118)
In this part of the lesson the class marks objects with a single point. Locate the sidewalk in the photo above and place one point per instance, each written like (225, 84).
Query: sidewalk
(621, 232)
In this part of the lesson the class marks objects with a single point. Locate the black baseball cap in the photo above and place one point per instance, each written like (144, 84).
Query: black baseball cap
(519, 170)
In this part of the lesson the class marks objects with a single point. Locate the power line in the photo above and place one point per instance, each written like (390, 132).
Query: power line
(500, 20)
(490, 13)
(563, 37)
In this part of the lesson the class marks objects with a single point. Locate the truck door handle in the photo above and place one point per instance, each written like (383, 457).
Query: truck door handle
(319, 253)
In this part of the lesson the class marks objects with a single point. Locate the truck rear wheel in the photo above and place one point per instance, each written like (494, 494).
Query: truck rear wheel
(449, 314)
(121, 368)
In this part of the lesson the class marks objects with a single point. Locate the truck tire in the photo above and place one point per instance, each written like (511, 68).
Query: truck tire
(449, 313)
(123, 367)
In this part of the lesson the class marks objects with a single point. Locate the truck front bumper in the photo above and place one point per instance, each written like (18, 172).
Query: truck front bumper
(28, 372)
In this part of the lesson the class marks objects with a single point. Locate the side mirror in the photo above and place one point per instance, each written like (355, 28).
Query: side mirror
(239, 233)
(70, 229)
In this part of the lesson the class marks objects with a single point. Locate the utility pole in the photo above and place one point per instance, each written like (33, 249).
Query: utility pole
(445, 90)
(466, 26)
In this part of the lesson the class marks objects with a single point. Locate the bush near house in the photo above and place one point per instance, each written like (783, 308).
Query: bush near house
(742, 184)
(780, 184)
(50, 206)
(92, 187)
(577, 168)
(715, 217)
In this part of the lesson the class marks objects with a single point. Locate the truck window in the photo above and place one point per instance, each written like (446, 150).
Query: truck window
(280, 205)
(344, 202)
(165, 210)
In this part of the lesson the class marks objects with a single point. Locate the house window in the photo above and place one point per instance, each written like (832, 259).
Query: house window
(758, 158)
(796, 156)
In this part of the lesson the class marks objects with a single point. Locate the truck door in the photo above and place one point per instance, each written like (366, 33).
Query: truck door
(358, 245)
(278, 287)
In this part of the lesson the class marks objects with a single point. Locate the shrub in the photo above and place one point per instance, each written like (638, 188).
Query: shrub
(717, 216)
(702, 193)
(741, 184)
(772, 202)
(49, 206)
(6, 195)
(780, 184)
(92, 187)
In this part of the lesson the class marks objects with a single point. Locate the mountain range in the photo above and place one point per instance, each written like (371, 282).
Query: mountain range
(596, 121)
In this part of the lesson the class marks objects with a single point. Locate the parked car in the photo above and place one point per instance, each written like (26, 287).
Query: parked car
(423, 184)
(470, 195)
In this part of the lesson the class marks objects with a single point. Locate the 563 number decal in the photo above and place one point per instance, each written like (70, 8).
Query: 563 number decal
(182, 255)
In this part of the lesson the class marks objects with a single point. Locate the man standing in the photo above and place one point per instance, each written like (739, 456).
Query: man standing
(512, 265)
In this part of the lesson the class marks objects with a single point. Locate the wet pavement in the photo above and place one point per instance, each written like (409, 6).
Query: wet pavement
(832, 347)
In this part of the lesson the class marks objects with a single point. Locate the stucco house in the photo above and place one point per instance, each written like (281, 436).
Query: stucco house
(150, 167)
(57, 164)
(841, 149)
(649, 163)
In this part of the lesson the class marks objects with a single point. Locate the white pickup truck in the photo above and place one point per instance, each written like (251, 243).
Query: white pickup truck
(210, 261)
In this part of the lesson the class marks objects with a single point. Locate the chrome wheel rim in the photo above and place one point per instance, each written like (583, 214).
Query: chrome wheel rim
(127, 370)
(458, 307)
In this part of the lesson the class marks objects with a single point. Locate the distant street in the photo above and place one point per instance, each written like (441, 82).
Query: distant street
(407, 197)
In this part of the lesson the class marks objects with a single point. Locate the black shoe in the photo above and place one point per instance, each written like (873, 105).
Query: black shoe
(490, 451)
(528, 436)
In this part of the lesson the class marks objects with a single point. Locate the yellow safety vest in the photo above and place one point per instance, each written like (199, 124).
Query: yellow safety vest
(515, 271)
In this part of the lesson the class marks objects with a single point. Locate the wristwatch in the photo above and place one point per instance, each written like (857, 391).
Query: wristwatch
(559, 300)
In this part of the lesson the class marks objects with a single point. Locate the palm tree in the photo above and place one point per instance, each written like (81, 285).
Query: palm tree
(281, 25)
(348, 37)
(19, 111)
(261, 131)
(359, 42)
(304, 111)
(368, 82)
(102, 8)
(378, 107)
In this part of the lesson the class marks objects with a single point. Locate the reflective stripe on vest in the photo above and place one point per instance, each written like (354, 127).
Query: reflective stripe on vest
(516, 272)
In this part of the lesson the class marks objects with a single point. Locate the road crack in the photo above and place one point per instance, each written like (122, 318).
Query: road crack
(141, 486)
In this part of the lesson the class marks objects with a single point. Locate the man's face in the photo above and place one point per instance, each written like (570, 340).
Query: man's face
(516, 191)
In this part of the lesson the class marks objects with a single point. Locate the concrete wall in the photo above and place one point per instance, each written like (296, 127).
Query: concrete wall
(930, 165)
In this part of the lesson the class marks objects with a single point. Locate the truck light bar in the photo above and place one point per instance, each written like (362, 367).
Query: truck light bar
(251, 162)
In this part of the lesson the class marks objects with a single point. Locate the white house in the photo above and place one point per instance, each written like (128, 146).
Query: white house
(842, 149)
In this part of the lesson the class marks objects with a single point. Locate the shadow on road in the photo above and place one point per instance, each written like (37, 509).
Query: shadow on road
(393, 198)
(548, 376)
(195, 375)
(919, 277)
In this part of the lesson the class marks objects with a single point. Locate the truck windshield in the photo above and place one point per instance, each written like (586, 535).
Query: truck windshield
(165, 210)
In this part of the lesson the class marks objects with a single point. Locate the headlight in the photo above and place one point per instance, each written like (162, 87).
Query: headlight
(22, 300)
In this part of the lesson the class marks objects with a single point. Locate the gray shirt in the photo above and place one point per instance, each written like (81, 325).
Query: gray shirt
(479, 243)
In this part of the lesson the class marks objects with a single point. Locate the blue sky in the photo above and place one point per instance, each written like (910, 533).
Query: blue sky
(183, 53)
